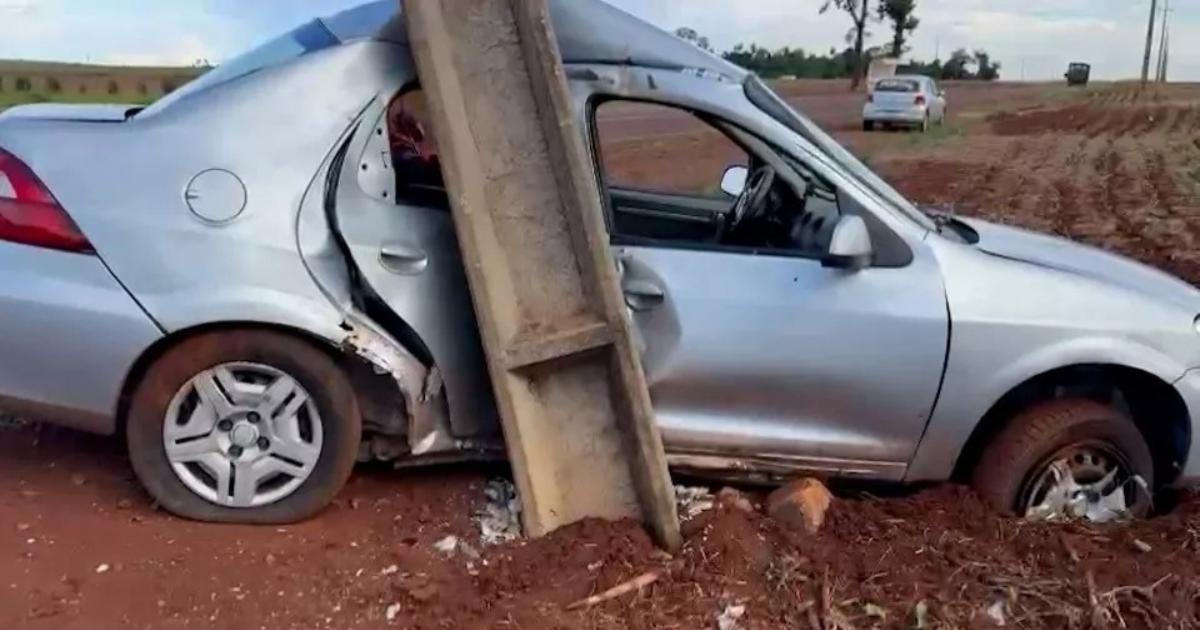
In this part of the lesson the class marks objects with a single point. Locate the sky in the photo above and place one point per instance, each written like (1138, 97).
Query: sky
(1033, 39)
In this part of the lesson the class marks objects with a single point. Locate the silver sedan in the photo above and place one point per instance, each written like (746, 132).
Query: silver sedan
(256, 282)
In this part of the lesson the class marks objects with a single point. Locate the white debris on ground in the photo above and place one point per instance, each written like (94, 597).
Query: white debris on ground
(499, 519)
(693, 501)
(391, 612)
(995, 612)
(455, 546)
(728, 619)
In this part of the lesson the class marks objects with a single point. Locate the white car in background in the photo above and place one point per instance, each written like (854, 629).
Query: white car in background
(912, 101)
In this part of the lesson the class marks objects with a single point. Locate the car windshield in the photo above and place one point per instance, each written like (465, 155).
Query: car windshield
(897, 85)
(771, 103)
(305, 39)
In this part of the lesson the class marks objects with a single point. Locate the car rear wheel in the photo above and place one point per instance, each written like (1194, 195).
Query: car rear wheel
(868, 125)
(244, 426)
(1068, 460)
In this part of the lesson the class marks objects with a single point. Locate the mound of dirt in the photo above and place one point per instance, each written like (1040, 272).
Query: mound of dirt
(935, 559)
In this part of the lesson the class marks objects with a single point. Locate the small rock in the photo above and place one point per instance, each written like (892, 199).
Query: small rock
(391, 612)
(355, 503)
(693, 501)
(102, 568)
(390, 570)
(801, 504)
(734, 499)
(728, 618)
(30, 494)
(447, 545)
(1142, 546)
(124, 504)
(995, 612)
(23, 527)
(78, 480)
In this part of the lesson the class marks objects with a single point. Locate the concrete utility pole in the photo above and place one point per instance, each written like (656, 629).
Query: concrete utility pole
(578, 424)
(1149, 41)
(1164, 44)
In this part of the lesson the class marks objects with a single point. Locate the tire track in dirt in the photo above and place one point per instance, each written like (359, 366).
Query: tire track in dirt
(969, 195)
(1183, 121)
(1066, 210)
(1170, 224)
(1120, 218)
(1021, 193)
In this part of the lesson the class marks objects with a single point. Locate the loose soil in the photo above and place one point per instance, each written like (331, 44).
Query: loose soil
(81, 547)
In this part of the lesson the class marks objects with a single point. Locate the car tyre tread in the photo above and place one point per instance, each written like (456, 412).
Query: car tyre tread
(1035, 434)
(325, 381)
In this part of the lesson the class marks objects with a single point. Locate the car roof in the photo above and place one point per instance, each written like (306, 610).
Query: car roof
(588, 32)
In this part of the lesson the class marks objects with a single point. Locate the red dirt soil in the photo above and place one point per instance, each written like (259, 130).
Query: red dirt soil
(69, 506)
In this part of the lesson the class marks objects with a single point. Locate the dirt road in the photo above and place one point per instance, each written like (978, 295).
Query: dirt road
(81, 547)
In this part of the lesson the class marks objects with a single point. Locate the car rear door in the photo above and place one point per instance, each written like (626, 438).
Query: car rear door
(403, 245)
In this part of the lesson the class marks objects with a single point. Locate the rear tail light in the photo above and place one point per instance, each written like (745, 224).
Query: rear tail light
(30, 215)
(870, 98)
(920, 99)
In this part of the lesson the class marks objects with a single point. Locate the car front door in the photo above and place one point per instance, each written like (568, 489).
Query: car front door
(762, 358)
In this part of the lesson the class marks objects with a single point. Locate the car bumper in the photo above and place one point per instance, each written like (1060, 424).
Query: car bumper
(910, 116)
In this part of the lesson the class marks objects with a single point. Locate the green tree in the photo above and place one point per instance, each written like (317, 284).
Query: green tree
(985, 68)
(691, 36)
(958, 66)
(859, 12)
(902, 16)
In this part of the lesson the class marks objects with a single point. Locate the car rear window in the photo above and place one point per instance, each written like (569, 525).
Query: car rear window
(897, 85)
(308, 38)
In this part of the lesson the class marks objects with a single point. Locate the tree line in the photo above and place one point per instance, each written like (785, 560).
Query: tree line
(852, 61)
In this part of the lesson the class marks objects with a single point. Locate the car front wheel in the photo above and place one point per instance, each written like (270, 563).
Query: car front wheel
(244, 426)
(1068, 460)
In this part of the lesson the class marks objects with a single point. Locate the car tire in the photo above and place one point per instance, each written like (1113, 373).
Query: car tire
(312, 462)
(1007, 475)
(868, 125)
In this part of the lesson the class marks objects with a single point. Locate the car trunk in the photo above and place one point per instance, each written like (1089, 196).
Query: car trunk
(895, 95)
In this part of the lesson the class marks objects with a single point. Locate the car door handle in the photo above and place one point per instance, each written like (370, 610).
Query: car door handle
(403, 258)
(643, 295)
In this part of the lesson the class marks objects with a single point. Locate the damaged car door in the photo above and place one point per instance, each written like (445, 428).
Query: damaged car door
(392, 213)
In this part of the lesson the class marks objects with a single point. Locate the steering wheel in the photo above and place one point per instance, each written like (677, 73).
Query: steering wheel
(752, 202)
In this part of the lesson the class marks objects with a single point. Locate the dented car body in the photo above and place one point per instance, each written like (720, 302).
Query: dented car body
(871, 340)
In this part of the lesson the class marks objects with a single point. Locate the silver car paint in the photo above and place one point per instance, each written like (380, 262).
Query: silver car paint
(1024, 304)
(409, 255)
(68, 330)
(278, 129)
(742, 355)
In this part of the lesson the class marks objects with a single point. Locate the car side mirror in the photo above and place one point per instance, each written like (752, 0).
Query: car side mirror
(734, 180)
(850, 246)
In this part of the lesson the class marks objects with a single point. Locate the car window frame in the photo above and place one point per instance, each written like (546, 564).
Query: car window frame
(594, 132)
(620, 240)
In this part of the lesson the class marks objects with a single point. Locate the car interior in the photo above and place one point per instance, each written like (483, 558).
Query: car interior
(768, 203)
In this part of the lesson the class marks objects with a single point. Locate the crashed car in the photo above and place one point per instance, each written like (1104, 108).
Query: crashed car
(247, 283)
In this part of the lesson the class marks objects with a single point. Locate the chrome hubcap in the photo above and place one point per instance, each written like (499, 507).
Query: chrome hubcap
(242, 435)
(1081, 483)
